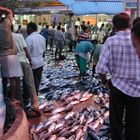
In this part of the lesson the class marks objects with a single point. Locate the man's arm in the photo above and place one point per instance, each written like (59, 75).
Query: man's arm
(27, 54)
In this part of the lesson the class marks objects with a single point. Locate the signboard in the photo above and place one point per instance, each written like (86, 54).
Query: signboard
(131, 4)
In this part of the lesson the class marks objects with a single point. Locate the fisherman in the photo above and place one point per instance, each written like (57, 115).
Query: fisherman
(81, 55)
(95, 56)
(136, 35)
(59, 40)
(118, 57)
(36, 47)
(10, 65)
(28, 79)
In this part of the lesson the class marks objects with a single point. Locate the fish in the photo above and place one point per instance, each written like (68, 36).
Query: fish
(64, 131)
(106, 114)
(67, 134)
(61, 124)
(43, 105)
(58, 110)
(53, 137)
(82, 117)
(74, 102)
(72, 137)
(52, 127)
(61, 138)
(69, 115)
(55, 117)
(48, 109)
(41, 124)
(69, 108)
(90, 119)
(46, 136)
(32, 130)
(75, 128)
(79, 134)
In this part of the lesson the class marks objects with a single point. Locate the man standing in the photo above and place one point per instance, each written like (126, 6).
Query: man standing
(10, 65)
(44, 32)
(28, 79)
(36, 46)
(59, 39)
(119, 58)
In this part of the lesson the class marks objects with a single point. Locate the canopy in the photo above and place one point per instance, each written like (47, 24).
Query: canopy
(96, 7)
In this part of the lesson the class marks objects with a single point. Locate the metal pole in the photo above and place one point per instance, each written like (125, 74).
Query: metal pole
(138, 8)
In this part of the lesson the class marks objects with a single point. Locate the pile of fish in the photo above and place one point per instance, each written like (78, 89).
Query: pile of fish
(73, 126)
(66, 103)
(58, 81)
(65, 124)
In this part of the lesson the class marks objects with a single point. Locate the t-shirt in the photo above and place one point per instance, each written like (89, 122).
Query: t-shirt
(7, 47)
(83, 48)
(20, 45)
(36, 47)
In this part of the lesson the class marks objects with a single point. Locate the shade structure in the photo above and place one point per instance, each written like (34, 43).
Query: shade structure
(95, 7)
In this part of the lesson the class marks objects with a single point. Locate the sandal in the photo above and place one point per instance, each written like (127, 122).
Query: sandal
(33, 112)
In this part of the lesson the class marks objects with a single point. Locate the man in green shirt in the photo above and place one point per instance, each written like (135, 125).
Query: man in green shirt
(81, 55)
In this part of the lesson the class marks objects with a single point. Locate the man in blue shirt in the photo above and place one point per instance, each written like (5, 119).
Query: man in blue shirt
(44, 32)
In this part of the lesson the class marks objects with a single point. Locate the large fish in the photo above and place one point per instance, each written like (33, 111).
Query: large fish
(41, 124)
(52, 127)
(55, 117)
(61, 138)
(79, 134)
(53, 137)
(58, 110)
(75, 128)
(69, 115)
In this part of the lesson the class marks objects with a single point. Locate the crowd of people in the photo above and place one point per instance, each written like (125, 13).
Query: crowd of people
(115, 50)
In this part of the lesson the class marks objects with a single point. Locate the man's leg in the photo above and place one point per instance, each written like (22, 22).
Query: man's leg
(132, 118)
(29, 84)
(37, 77)
(116, 113)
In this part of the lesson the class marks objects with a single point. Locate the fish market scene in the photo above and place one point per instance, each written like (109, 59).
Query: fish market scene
(69, 69)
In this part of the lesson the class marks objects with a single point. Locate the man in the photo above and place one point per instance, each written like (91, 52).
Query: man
(69, 37)
(59, 39)
(44, 32)
(51, 37)
(119, 58)
(81, 55)
(136, 35)
(95, 56)
(83, 36)
(100, 35)
(28, 79)
(10, 65)
(36, 46)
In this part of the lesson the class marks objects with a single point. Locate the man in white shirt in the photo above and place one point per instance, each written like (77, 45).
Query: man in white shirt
(28, 79)
(36, 47)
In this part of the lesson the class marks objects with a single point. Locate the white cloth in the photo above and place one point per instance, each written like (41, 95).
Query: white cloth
(36, 47)
(20, 45)
(77, 23)
(100, 36)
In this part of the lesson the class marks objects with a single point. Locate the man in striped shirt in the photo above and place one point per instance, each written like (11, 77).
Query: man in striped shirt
(119, 58)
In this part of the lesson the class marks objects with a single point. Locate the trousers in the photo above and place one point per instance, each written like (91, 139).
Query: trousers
(124, 107)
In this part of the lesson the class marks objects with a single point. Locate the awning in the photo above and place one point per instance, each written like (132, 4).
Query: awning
(95, 7)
